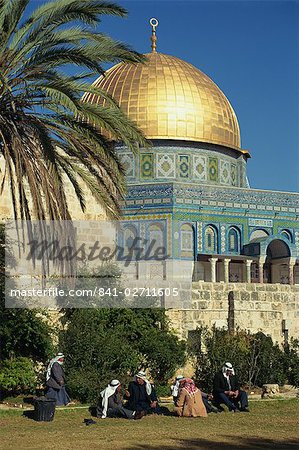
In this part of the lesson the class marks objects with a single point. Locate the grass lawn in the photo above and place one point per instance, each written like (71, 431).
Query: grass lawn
(269, 425)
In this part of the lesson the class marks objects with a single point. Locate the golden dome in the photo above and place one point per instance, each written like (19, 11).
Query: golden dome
(170, 99)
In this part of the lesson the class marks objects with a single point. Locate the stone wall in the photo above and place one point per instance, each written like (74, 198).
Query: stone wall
(257, 307)
(93, 210)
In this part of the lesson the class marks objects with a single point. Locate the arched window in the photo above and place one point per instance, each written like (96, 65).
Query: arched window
(287, 234)
(130, 234)
(187, 239)
(258, 234)
(156, 238)
(233, 240)
(210, 239)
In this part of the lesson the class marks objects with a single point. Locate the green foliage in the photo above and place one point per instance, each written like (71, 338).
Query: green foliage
(17, 376)
(256, 358)
(162, 390)
(101, 344)
(163, 353)
(267, 361)
(23, 333)
(46, 130)
(292, 361)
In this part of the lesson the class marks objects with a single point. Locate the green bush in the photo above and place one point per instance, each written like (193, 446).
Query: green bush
(256, 358)
(292, 361)
(18, 376)
(102, 344)
(163, 390)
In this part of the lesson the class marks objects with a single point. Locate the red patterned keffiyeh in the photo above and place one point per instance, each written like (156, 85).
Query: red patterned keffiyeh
(189, 385)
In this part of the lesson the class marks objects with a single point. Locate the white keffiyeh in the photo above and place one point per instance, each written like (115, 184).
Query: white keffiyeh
(175, 387)
(228, 366)
(106, 393)
(148, 385)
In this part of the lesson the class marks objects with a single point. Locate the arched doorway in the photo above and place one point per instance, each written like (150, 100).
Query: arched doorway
(276, 264)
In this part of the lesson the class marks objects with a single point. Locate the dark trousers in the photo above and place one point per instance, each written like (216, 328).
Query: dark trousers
(120, 411)
(232, 403)
(208, 406)
(144, 406)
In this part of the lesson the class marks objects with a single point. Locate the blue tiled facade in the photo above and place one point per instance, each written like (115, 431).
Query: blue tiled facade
(205, 187)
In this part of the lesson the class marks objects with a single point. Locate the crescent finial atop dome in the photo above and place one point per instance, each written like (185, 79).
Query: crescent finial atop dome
(154, 23)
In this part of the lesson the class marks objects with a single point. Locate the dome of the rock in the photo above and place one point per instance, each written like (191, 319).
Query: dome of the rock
(169, 98)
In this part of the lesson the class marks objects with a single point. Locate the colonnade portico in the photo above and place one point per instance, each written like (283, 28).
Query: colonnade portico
(292, 263)
(218, 270)
(226, 269)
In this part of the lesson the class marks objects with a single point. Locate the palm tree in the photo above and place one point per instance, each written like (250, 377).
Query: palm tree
(46, 131)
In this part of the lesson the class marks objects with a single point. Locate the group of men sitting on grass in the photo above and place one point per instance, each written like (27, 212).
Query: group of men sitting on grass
(141, 397)
(189, 401)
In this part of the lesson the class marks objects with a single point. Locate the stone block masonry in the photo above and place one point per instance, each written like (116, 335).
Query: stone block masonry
(256, 307)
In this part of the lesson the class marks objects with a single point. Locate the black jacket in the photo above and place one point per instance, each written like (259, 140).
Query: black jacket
(138, 395)
(220, 383)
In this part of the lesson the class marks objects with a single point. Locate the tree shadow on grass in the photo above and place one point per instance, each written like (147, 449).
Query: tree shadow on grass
(205, 444)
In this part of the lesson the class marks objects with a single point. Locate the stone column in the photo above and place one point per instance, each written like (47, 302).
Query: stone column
(248, 270)
(292, 263)
(213, 269)
(226, 262)
(261, 269)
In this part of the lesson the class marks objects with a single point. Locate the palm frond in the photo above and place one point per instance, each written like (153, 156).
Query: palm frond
(47, 132)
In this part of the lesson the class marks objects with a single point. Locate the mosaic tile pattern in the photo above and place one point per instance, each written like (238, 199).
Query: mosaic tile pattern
(223, 238)
(234, 177)
(146, 166)
(225, 176)
(187, 240)
(184, 166)
(200, 167)
(228, 196)
(196, 165)
(165, 165)
(128, 161)
(213, 169)
(199, 236)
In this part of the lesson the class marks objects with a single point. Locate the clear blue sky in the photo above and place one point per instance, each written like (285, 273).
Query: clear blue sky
(250, 49)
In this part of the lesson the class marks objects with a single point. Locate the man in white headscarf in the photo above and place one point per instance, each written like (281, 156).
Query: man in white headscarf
(226, 389)
(141, 395)
(111, 404)
(174, 388)
(55, 381)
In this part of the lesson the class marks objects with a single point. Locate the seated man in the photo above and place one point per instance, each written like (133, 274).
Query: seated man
(111, 404)
(174, 388)
(226, 389)
(206, 398)
(141, 395)
(189, 402)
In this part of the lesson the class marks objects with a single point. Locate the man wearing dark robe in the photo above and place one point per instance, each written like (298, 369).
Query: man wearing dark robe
(55, 381)
(111, 404)
(226, 389)
(141, 395)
